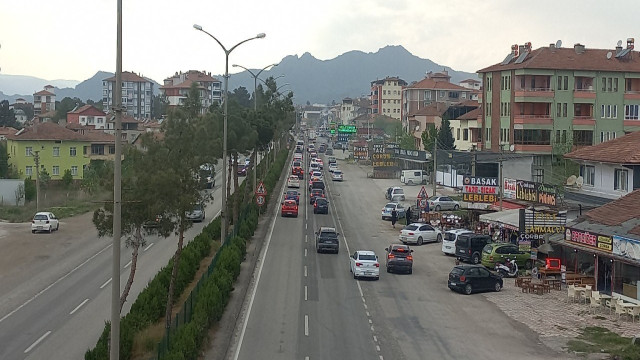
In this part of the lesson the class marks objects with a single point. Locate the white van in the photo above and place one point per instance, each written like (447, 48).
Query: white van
(411, 177)
(449, 240)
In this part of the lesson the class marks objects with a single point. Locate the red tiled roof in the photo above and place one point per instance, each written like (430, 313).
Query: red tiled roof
(428, 83)
(470, 81)
(126, 119)
(618, 211)
(44, 92)
(568, 59)
(469, 103)
(471, 115)
(88, 109)
(623, 150)
(51, 131)
(128, 76)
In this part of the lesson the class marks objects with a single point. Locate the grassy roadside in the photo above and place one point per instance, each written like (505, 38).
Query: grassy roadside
(62, 206)
(596, 340)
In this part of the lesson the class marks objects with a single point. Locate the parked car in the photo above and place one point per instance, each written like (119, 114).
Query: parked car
(387, 209)
(439, 203)
(469, 247)
(320, 206)
(196, 214)
(315, 193)
(44, 221)
(364, 263)
(449, 240)
(293, 181)
(418, 233)
(399, 258)
(337, 175)
(289, 208)
(473, 278)
(292, 195)
(327, 240)
(394, 193)
(500, 252)
(242, 170)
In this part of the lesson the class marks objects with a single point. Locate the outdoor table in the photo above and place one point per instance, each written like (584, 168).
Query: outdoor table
(554, 283)
(544, 272)
(539, 288)
(521, 279)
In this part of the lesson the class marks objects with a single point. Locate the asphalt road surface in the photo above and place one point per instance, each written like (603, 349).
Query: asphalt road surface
(308, 306)
(56, 288)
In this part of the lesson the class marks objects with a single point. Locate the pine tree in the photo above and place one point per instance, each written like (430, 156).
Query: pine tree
(445, 136)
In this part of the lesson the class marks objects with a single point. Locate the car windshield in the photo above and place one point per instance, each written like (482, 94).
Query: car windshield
(290, 203)
(197, 207)
(367, 257)
(317, 173)
(449, 236)
(457, 271)
(390, 206)
(321, 201)
(328, 235)
(487, 249)
(292, 193)
(410, 227)
(337, 172)
(398, 191)
(317, 191)
(40, 217)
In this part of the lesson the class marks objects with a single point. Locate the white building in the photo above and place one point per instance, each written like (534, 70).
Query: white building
(137, 94)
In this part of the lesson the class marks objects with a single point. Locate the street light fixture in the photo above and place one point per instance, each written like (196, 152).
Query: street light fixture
(223, 211)
(255, 82)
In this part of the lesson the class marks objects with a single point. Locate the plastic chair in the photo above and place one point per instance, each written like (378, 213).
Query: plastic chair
(620, 310)
(634, 311)
(586, 294)
(595, 301)
(572, 294)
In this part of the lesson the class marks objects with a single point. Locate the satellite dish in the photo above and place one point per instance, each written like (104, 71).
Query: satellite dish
(558, 43)
(571, 180)
(580, 181)
(512, 147)
(417, 128)
(609, 55)
(619, 43)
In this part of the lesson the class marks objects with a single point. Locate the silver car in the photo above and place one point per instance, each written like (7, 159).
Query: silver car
(439, 203)
(197, 214)
(387, 209)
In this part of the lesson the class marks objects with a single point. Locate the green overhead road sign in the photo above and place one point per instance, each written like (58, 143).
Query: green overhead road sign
(348, 129)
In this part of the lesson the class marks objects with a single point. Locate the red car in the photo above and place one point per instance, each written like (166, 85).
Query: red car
(297, 170)
(289, 208)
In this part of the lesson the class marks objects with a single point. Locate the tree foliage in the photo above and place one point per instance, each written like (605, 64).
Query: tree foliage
(64, 106)
(445, 136)
(7, 116)
(429, 137)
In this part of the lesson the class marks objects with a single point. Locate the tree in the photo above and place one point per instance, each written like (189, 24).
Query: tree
(193, 104)
(242, 97)
(7, 116)
(64, 106)
(445, 136)
(160, 105)
(429, 137)
(67, 178)
(27, 108)
(45, 178)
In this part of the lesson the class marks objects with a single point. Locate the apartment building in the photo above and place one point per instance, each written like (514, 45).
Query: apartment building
(434, 88)
(44, 101)
(386, 97)
(553, 97)
(87, 115)
(137, 94)
(176, 88)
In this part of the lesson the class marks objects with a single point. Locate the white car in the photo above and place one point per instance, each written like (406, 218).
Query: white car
(449, 240)
(418, 233)
(333, 167)
(337, 175)
(44, 221)
(364, 263)
(293, 181)
(317, 174)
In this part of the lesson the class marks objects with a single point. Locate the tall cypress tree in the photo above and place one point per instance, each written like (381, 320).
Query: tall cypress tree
(445, 136)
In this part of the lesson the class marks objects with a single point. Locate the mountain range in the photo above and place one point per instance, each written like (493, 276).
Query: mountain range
(311, 80)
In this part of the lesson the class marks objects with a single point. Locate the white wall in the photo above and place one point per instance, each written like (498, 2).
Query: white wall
(603, 181)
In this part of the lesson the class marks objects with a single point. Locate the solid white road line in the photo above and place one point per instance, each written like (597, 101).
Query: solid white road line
(128, 264)
(79, 306)
(255, 287)
(37, 341)
(106, 283)
(148, 247)
(306, 325)
(54, 283)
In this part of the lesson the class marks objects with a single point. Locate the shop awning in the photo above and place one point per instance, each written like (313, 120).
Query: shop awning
(507, 205)
(509, 219)
(558, 239)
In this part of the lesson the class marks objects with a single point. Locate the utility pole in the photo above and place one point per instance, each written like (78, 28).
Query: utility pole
(37, 160)
(473, 160)
(435, 165)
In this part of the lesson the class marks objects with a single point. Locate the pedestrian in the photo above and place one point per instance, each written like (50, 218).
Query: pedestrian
(408, 215)
(394, 217)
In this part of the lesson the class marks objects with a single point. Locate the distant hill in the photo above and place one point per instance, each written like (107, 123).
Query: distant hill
(313, 80)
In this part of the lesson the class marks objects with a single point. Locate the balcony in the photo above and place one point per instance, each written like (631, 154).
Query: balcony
(541, 119)
(584, 120)
(533, 148)
(534, 94)
(588, 94)
(632, 95)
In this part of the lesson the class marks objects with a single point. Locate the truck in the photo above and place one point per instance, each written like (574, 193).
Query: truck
(312, 134)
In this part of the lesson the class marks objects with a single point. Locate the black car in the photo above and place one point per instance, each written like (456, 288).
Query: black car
(469, 247)
(327, 240)
(473, 278)
(399, 258)
(292, 195)
(320, 206)
(242, 170)
(314, 194)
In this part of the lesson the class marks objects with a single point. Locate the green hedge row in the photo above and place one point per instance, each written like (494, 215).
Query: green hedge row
(149, 307)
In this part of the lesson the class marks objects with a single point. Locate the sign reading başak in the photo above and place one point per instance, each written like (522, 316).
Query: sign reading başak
(480, 189)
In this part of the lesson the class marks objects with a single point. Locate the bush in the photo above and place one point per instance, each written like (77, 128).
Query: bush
(29, 189)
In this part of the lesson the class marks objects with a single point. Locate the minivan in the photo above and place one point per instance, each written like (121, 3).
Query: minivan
(449, 240)
(411, 177)
(469, 247)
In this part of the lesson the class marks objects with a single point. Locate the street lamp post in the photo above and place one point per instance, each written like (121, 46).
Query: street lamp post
(223, 211)
(255, 82)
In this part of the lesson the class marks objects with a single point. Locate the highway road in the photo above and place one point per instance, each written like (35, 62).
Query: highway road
(56, 288)
(308, 306)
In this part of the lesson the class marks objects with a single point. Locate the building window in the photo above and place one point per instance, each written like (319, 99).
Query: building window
(620, 180)
(532, 136)
(55, 170)
(631, 112)
(458, 134)
(582, 137)
(465, 134)
(28, 151)
(614, 111)
(28, 170)
(564, 109)
(538, 175)
(615, 84)
(74, 171)
(56, 151)
(72, 151)
(588, 174)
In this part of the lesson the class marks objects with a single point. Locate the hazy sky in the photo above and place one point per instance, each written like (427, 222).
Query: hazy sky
(73, 39)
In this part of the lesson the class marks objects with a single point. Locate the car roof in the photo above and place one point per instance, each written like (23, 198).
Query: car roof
(327, 229)
(289, 201)
(419, 224)
(43, 213)
(392, 204)
(458, 231)
(365, 252)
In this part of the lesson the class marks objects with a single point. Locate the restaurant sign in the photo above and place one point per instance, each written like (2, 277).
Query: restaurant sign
(361, 152)
(589, 239)
(509, 188)
(480, 189)
(544, 222)
(629, 248)
(536, 192)
(418, 155)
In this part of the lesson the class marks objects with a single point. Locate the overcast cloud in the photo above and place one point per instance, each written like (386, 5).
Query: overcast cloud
(72, 39)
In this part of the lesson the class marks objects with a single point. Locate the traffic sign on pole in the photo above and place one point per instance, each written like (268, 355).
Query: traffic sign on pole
(423, 193)
(423, 203)
(260, 200)
(261, 190)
